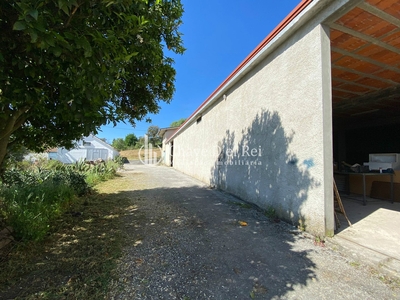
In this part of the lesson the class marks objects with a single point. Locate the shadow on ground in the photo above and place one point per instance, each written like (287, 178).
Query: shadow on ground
(190, 245)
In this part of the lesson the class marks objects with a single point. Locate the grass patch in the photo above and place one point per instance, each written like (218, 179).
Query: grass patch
(78, 259)
(31, 198)
(30, 210)
(242, 204)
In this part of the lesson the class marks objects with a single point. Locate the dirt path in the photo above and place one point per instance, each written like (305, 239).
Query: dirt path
(185, 241)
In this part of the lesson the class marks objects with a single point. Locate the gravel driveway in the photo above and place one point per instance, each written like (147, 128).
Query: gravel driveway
(185, 241)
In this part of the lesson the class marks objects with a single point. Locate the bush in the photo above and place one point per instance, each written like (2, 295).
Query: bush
(31, 209)
(19, 177)
(66, 176)
(120, 160)
(73, 179)
(32, 198)
(102, 172)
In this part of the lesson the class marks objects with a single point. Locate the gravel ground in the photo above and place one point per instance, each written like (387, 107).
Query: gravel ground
(185, 241)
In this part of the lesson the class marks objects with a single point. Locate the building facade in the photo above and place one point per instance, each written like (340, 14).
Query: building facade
(266, 133)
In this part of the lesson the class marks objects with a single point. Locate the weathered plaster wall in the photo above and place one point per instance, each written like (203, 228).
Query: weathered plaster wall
(264, 141)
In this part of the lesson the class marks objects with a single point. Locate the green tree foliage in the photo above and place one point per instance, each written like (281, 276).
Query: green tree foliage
(69, 66)
(178, 123)
(140, 142)
(152, 133)
(131, 140)
(119, 144)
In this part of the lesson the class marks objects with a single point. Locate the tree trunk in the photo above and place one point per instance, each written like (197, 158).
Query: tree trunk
(3, 151)
(14, 120)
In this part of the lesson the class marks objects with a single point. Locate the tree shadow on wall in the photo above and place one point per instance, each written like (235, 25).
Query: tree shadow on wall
(261, 169)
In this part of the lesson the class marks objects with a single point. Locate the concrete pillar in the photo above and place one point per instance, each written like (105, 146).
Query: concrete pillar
(327, 130)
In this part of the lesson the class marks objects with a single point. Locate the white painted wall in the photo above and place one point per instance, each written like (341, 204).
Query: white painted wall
(265, 141)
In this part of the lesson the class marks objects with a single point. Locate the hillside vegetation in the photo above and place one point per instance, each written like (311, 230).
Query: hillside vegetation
(134, 153)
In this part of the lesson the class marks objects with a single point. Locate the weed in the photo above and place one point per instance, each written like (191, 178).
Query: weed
(242, 204)
(252, 295)
(392, 281)
(270, 212)
(354, 264)
(301, 226)
(319, 241)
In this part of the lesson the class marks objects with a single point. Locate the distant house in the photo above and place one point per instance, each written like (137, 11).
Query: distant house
(88, 148)
(52, 153)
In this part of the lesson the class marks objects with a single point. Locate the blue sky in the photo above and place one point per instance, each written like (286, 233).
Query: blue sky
(218, 35)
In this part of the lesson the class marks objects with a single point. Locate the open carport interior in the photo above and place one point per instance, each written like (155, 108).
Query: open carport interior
(365, 62)
(365, 55)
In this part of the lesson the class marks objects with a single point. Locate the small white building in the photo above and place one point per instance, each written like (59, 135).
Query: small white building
(88, 148)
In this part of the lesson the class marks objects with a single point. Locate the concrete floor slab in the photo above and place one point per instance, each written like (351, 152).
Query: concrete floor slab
(374, 235)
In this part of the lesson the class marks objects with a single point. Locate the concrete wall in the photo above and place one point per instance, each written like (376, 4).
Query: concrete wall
(264, 141)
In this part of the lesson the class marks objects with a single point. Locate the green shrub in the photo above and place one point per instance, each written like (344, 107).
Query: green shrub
(92, 179)
(32, 198)
(53, 164)
(23, 165)
(101, 172)
(31, 209)
(63, 176)
(120, 160)
(73, 179)
(18, 177)
(80, 166)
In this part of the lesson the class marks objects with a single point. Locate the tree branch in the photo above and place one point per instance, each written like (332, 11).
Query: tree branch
(19, 122)
(13, 122)
(71, 15)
